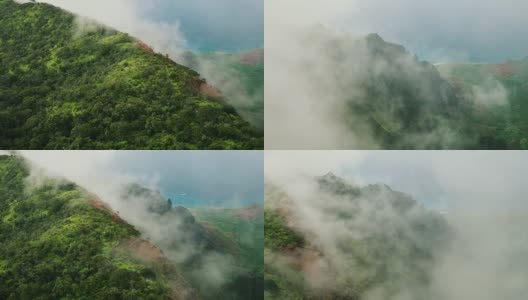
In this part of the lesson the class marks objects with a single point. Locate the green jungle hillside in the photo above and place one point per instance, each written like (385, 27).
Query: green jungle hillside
(232, 236)
(239, 77)
(61, 88)
(383, 242)
(60, 242)
(501, 118)
(242, 229)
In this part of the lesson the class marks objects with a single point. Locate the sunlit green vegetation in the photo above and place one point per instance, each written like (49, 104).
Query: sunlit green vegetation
(61, 88)
(62, 242)
(56, 246)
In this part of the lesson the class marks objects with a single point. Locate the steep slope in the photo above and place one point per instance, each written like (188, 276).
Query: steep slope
(60, 242)
(239, 77)
(189, 231)
(500, 94)
(393, 101)
(241, 231)
(243, 228)
(63, 86)
(225, 242)
(348, 242)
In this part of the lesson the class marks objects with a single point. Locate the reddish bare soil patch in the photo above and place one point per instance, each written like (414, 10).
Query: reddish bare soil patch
(143, 249)
(143, 46)
(501, 69)
(146, 251)
(208, 90)
(204, 88)
(249, 213)
(252, 58)
(98, 204)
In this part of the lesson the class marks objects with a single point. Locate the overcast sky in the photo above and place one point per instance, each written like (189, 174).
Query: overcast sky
(449, 30)
(476, 30)
(229, 25)
(459, 30)
(458, 182)
(213, 24)
(192, 178)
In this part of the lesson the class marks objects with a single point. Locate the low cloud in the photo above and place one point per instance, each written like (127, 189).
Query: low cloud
(126, 16)
(112, 177)
(316, 70)
(332, 90)
(479, 193)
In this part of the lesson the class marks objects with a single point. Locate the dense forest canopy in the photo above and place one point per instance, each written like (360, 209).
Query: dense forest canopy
(63, 86)
(55, 245)
(59, 241)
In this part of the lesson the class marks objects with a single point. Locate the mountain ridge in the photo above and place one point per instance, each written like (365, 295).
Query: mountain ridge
(58, 241)
(382, 96)
(102, 89)
(363, 240)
